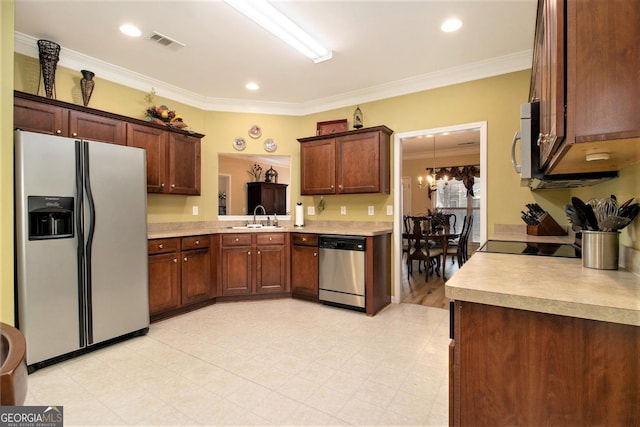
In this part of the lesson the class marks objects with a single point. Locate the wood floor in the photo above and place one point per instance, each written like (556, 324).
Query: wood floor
(418, 290)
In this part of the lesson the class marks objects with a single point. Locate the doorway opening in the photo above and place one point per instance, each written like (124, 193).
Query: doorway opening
(403, 179)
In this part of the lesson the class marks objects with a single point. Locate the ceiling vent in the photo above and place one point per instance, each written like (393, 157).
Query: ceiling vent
(163, 40)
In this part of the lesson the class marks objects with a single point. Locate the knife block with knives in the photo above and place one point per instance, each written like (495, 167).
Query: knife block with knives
(540, 223)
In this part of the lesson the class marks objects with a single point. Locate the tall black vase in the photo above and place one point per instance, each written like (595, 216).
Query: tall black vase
(87, 84)
(49, 53)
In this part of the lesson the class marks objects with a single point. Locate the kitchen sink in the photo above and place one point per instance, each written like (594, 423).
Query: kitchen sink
(256, 227)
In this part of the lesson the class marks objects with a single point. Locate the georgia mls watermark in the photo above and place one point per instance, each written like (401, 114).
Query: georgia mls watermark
(31, 416)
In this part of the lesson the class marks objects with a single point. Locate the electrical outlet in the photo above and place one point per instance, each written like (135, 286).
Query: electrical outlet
(370, 210)
(389, 209)
(311, 210)
(343, 210)
(194, 210)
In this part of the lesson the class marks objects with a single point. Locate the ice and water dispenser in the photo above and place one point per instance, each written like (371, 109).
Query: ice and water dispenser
(50, 217)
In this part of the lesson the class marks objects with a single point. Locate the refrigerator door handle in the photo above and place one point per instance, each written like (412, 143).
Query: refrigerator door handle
(89, 244)
(79, 206)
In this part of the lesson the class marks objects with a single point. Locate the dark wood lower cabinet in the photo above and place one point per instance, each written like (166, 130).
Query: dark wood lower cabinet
(190, 272)
(253, 264)
(523, 368)
(304, 265)
(196, 269)
(164, 282)
(179, 275)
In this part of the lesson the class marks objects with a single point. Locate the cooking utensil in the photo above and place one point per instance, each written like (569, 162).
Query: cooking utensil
(606, 207)
(587, 211)
(575, 218)
(624, 205)
(592, 202)
(614, 223)
(631, 211)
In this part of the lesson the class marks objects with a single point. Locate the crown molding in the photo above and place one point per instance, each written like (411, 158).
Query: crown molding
(27, 45)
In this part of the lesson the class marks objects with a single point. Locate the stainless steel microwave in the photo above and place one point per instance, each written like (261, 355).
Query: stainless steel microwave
(529, 169)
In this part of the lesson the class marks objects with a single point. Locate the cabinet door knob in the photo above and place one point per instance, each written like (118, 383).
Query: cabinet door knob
(340, 187)
(315, 254)
(173, 186)
(197, 242)
(259, 253)
(270, 238)
(59, 131)
(175, 260)
(185, 259)
(304, 239)
(249, 253)
(162, 185)
(237, 240)
(160, 246)
(332, 186)
(74, 134)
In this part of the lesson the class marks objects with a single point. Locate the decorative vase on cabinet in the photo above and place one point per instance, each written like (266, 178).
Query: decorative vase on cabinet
(87, 84)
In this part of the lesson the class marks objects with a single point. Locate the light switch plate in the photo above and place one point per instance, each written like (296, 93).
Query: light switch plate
(343, 210)
(311, 210)
(194, 210)
(370, 210)
(389, 209)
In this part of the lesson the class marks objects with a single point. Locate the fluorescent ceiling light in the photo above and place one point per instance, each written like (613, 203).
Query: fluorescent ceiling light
(130, 30)
(269, 18)
(451, 25)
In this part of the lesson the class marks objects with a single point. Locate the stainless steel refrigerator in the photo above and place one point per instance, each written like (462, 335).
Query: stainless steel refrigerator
(81, 244)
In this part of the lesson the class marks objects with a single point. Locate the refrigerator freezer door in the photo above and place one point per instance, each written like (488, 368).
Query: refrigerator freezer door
(46, 270)
(119, 270)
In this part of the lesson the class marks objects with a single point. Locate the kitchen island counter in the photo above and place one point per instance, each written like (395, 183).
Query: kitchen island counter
(543, 341)
(549, 285)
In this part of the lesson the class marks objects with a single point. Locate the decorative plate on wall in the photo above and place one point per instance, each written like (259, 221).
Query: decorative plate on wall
(255, 132)
(239, 143)
(270, 145)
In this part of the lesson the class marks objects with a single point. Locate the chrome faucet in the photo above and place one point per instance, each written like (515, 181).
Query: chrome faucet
(264, 212)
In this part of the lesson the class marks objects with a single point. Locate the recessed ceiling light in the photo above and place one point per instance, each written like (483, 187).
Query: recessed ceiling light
(451, 25)
(130, 30)
(252, 86)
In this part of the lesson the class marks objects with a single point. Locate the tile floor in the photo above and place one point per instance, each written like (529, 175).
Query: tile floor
(275, 362)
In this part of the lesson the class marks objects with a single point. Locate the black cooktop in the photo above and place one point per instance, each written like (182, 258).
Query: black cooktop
(565, 250)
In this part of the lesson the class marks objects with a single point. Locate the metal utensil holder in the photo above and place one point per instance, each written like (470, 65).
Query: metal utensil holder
(600, 249)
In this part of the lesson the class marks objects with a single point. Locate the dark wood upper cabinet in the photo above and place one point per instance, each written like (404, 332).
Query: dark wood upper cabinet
(97, 128)
(585, 74)
(184, 164)
(173, 156)
(346, 163)
(154, 141)
(35, 116)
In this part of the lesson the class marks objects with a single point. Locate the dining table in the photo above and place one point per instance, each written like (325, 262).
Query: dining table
(442, 237)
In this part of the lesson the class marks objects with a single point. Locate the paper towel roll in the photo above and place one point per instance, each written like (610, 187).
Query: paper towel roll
(299, 222)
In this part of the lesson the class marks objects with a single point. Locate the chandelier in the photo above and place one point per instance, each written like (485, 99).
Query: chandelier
(430, 183)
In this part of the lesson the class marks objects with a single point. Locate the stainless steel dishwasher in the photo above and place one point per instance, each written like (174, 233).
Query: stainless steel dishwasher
(342, 270)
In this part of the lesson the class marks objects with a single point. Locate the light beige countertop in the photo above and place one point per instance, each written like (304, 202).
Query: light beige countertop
(548, 285)
(183, 229)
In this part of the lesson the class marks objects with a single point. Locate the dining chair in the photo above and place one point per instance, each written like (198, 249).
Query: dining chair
(458, 248)
(418, 248)
(464, 243)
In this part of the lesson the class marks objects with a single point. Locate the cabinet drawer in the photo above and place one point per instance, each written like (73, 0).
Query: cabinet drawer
(270, 238)
(236, 240)
(161, 246)
(195, 242)
(304, 239)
